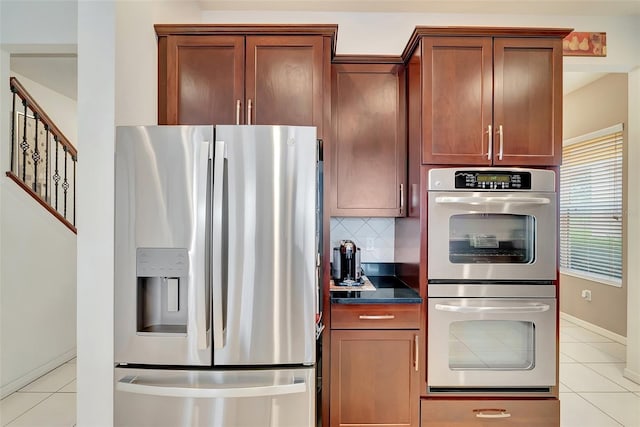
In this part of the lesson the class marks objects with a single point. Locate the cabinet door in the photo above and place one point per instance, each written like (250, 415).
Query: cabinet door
(368, 160)
(457, 97)
(284, 80)
(528, 101)
(201, 80)
(374, 378)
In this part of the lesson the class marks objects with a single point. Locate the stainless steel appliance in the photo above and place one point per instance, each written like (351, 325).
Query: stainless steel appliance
(492, 274)
(491, 338)
(346, 268)
(492, 224)
(216, 245)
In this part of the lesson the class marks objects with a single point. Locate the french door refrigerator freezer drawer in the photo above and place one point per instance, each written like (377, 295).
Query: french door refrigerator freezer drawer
(251, 398)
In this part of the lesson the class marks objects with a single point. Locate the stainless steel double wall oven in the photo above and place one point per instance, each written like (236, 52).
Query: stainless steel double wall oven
(492, 273)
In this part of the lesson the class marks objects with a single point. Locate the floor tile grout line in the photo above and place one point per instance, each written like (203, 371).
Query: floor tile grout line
(600, 409)
(30, 409)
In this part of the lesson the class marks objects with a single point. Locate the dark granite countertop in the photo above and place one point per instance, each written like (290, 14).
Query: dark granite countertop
(389, 289)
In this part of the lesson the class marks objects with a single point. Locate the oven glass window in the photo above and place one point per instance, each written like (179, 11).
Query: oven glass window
(491, 345)
(491, 238)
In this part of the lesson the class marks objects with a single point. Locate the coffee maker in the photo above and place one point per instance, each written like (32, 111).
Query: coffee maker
(346, 269)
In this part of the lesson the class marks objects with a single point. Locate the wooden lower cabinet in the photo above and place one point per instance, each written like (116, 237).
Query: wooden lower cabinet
(374, 378)
(489, 413)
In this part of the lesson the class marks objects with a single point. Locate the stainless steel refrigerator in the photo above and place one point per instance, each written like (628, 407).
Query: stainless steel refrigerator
(216, 275)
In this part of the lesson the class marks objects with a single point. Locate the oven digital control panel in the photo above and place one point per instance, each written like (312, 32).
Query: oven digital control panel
(493, 180)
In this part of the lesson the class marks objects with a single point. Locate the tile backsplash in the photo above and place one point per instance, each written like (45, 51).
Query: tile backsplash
(374, 236)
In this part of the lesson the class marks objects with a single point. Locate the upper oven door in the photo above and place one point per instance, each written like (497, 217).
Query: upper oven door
(491, 236)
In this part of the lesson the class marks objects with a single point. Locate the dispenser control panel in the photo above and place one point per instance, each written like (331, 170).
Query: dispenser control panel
(162, 262)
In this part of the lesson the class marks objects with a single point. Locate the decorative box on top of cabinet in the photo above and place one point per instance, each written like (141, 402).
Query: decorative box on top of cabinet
(489, 96)
(368, 150)
(244, 74)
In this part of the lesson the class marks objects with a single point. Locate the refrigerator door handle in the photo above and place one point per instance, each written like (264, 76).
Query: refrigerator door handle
(133, 384)
(216, 243)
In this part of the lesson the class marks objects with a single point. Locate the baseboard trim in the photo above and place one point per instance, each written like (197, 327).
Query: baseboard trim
(36, 373)
(594, 328)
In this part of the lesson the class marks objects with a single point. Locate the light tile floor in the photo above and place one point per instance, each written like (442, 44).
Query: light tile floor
(593, 392)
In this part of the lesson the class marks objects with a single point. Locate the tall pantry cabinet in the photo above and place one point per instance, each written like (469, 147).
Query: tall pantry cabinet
(245, 74)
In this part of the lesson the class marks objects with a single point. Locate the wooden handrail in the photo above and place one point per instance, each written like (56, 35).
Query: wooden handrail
(33, 105)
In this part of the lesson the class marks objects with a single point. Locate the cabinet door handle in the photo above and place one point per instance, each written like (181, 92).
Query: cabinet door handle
(491, 413)
(490, 150)
(376, 317)
(249, 108)
(238, 112)
(401, 199)
(501, 133)
(416, 352)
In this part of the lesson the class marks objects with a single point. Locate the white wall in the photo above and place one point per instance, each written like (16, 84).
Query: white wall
(96, 120)
(37, 289)
(39, 26)
(37, 252)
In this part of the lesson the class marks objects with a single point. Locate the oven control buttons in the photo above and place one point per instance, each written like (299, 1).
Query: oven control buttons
(493, 180)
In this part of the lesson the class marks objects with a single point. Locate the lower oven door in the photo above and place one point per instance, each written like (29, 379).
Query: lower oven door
(491, 343)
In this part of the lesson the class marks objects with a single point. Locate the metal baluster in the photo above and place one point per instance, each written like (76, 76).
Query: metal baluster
(46, 164)
(35, 156)
(13, 128)
(24, 145)
(56, 175)
(65, 183)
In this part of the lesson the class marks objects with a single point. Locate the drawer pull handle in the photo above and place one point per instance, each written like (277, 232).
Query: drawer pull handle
(492, 413)
(377, 317)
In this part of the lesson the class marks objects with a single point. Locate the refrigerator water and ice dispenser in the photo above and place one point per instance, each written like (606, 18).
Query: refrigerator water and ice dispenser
(162, 275)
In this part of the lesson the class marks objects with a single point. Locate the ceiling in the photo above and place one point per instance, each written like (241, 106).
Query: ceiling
(59, 72)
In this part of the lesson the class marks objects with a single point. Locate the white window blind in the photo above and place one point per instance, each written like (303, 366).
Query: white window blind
(591, 206)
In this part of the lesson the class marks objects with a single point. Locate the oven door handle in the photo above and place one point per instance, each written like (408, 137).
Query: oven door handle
(533, 308)
(493, 200)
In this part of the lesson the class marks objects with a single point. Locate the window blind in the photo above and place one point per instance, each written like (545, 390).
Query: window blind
(591, 206)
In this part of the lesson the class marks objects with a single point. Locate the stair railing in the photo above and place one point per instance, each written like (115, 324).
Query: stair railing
(43, 161)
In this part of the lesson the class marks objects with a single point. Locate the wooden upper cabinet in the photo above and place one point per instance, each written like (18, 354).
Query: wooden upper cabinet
(368, 153)
(284, 80)
(203, 80)
(457, 99)
(492, 100)
(244, 74)
(527, 101)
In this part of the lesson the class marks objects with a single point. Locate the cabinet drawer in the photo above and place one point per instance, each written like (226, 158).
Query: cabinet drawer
(375, 316)
(489, 412)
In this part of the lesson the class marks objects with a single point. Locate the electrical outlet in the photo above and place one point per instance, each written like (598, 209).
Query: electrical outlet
(586, 294)
(370, 241)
